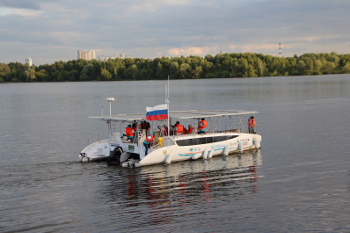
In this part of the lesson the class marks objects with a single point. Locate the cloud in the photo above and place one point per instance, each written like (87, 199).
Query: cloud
(150, 28)
(25, 12)
(307, 39)
(264, 47)
(23, 4)
(189, 51)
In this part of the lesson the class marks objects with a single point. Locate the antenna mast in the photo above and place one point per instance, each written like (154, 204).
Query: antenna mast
(168, 101)
(280, 50)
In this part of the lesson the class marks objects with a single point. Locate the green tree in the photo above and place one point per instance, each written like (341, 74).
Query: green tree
(131, 72)
(301, 66)
(174, 69)
(106, 74)
(346, 68)
(30, 74)
(197, 71)
(183, 72)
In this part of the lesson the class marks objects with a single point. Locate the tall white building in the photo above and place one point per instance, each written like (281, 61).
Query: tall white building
(80, 54)
(92, 54)
(86, 55)
(29, 61)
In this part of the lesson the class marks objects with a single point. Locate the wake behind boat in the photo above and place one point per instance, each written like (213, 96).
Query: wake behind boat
(169, 147)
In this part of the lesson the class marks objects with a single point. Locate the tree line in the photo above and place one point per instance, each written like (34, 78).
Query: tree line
(192, 67)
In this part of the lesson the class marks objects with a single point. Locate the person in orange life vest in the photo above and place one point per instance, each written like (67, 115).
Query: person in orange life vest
(147, 142)
(184, 130)
(191, 130)
(178, 128)
(163, 130)
(251, 124)
(130, 132)
(143, 125)
(202, 127)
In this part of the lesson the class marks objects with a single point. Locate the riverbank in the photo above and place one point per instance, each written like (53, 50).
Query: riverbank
(229, 65)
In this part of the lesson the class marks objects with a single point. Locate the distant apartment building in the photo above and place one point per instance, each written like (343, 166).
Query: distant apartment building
(86, 55)
(79, 54)
(29, 61)
(106, 58)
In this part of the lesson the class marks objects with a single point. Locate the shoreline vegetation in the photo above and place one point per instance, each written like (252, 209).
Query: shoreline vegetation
(228, 65)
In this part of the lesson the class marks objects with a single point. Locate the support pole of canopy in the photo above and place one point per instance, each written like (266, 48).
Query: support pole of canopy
(240, 123)
(233, 126)
(168, 106)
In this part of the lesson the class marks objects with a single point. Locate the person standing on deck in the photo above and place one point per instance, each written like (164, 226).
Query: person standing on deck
(251, 125)
(147, 142)
(202, 127)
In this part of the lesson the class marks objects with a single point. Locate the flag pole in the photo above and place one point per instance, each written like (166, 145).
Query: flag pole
(167, 101)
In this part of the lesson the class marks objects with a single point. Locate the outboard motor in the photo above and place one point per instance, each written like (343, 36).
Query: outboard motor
(114, 157)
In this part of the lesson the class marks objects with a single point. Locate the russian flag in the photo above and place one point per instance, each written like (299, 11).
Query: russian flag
(159, 112)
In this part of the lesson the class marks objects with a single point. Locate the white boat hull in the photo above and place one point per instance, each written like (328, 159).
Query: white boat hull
(181, 153)
(100, 150)
(96, 151)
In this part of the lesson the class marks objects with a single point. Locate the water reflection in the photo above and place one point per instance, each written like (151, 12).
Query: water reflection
(162, 194)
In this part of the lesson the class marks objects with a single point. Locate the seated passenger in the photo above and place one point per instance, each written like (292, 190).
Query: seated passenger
(191, 130)
(178, 128)
(202, 127)
(163, 130)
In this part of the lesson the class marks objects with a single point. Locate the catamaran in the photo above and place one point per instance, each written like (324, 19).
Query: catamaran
(168, 147)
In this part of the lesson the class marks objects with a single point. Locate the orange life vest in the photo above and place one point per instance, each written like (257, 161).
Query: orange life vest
(202, 125)
(190, 130)
(179, 129)
(149, 138)
(251, 123)
(129, 132)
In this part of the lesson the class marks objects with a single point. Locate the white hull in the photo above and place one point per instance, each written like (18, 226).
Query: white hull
(176, 153)
(169, 154)
(95, 152)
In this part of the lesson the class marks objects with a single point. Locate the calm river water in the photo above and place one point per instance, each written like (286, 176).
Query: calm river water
(299, 180)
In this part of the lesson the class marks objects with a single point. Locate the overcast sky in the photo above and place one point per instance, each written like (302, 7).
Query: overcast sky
(53, 30)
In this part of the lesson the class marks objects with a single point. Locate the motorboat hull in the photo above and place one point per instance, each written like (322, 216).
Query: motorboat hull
(97, 151)
(181, 153)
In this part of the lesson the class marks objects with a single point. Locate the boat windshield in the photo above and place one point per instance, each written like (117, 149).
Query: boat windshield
(204, 140)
